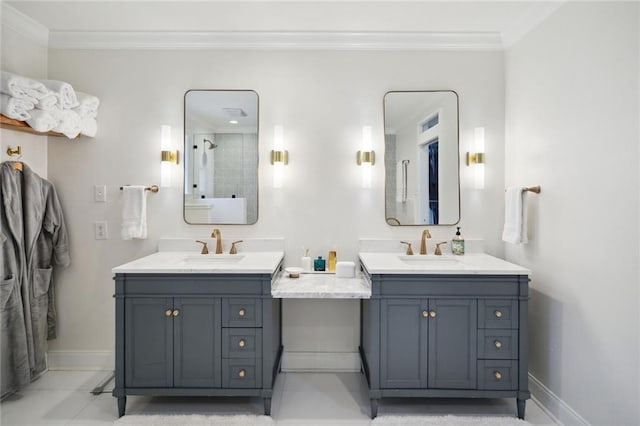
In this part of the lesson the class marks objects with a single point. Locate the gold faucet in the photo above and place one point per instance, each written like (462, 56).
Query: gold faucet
(423, 245)
(216, 234)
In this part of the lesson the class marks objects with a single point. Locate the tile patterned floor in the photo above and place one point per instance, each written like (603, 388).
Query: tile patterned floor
(300, 399)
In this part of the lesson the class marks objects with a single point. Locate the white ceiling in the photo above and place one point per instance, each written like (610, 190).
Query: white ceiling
(504, 19)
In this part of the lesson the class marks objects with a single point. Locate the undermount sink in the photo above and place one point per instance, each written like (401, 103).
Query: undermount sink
(213, 259)
(430, 260)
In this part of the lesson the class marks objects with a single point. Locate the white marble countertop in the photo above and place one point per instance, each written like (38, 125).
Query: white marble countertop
(468, 264)
(185, 262)
(320, 286)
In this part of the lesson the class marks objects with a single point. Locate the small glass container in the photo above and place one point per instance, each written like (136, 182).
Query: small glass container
(319, 264)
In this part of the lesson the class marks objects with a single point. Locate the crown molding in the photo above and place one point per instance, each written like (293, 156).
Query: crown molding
(24, 25)
(275, 40)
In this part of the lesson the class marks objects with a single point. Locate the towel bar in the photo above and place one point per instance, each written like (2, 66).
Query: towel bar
(152, 188)
(535, 189)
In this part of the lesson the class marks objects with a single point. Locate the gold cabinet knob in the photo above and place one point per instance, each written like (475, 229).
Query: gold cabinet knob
(168, 313)
(242, 373)
(241, 343)
(175, 313)
(425, 314)
(432, 314)
(497, 375)
(497, 344)
(498, 313)
(242, 312)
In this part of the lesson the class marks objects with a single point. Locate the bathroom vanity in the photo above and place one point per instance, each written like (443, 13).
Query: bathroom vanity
(444, 326)
(197, 325)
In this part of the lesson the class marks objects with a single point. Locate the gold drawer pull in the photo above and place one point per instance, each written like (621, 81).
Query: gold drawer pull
(498, 344)
(242, 312)
(242, 373)
(175, 313)
(498, 313)
(168, 313)
(241, 343)
(432, 314)
(497, 375)
(425, 314)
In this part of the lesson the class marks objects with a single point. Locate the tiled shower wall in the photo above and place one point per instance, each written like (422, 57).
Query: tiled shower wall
(236, 169)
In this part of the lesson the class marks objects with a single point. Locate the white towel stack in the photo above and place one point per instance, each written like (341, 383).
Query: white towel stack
(49, 105)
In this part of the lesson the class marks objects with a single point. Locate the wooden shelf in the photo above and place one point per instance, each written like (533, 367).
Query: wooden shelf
(21, 126)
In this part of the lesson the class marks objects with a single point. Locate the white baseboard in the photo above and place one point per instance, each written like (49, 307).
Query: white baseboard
(554, 406)
(81, 360)
(321, 361)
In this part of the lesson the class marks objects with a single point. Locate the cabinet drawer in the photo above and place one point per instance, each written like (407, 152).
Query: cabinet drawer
(241, 342)
(497, 344)
(242, 312)
(497, 375)
(242, 373)
(497, 313)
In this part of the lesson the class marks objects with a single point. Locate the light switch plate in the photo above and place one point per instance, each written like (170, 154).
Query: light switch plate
(100, 230)
(100, 193)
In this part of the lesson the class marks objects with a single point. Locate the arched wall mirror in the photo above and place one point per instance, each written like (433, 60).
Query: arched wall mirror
(422, 182)
(221, 157)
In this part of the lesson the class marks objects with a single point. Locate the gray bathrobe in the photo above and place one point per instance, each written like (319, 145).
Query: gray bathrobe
(33, 238)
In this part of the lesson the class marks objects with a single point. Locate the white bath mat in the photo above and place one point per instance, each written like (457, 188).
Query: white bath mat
(447, 421)
(193, 420)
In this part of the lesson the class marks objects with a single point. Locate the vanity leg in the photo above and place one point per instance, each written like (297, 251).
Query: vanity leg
(374, 408)
(521, 405)
(267, 406)
(122, 403)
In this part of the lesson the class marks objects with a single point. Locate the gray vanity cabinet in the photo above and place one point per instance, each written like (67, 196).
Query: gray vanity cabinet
(428, 343)
(172, 342)
(196, 335)
(445, 336)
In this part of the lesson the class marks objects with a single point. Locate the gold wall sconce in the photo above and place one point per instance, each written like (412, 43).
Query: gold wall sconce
(279, 156)
(366, 157)
(168, 157)
(476, 159)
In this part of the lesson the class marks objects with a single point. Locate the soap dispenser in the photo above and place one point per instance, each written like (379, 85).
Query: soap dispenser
(457, 244)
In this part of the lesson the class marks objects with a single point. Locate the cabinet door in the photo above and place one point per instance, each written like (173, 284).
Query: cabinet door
(197, 343)
(452, 343)
(404, 330)
(148, 342)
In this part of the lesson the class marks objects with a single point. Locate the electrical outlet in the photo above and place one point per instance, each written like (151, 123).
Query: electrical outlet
(100, 193)
(100, 230)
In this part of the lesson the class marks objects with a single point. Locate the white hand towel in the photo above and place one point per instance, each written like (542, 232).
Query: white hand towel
(41, 121)
(67, 97)
(48, 102)
(134, 212)
(515, 224)
(15, 108)
(21, 87)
